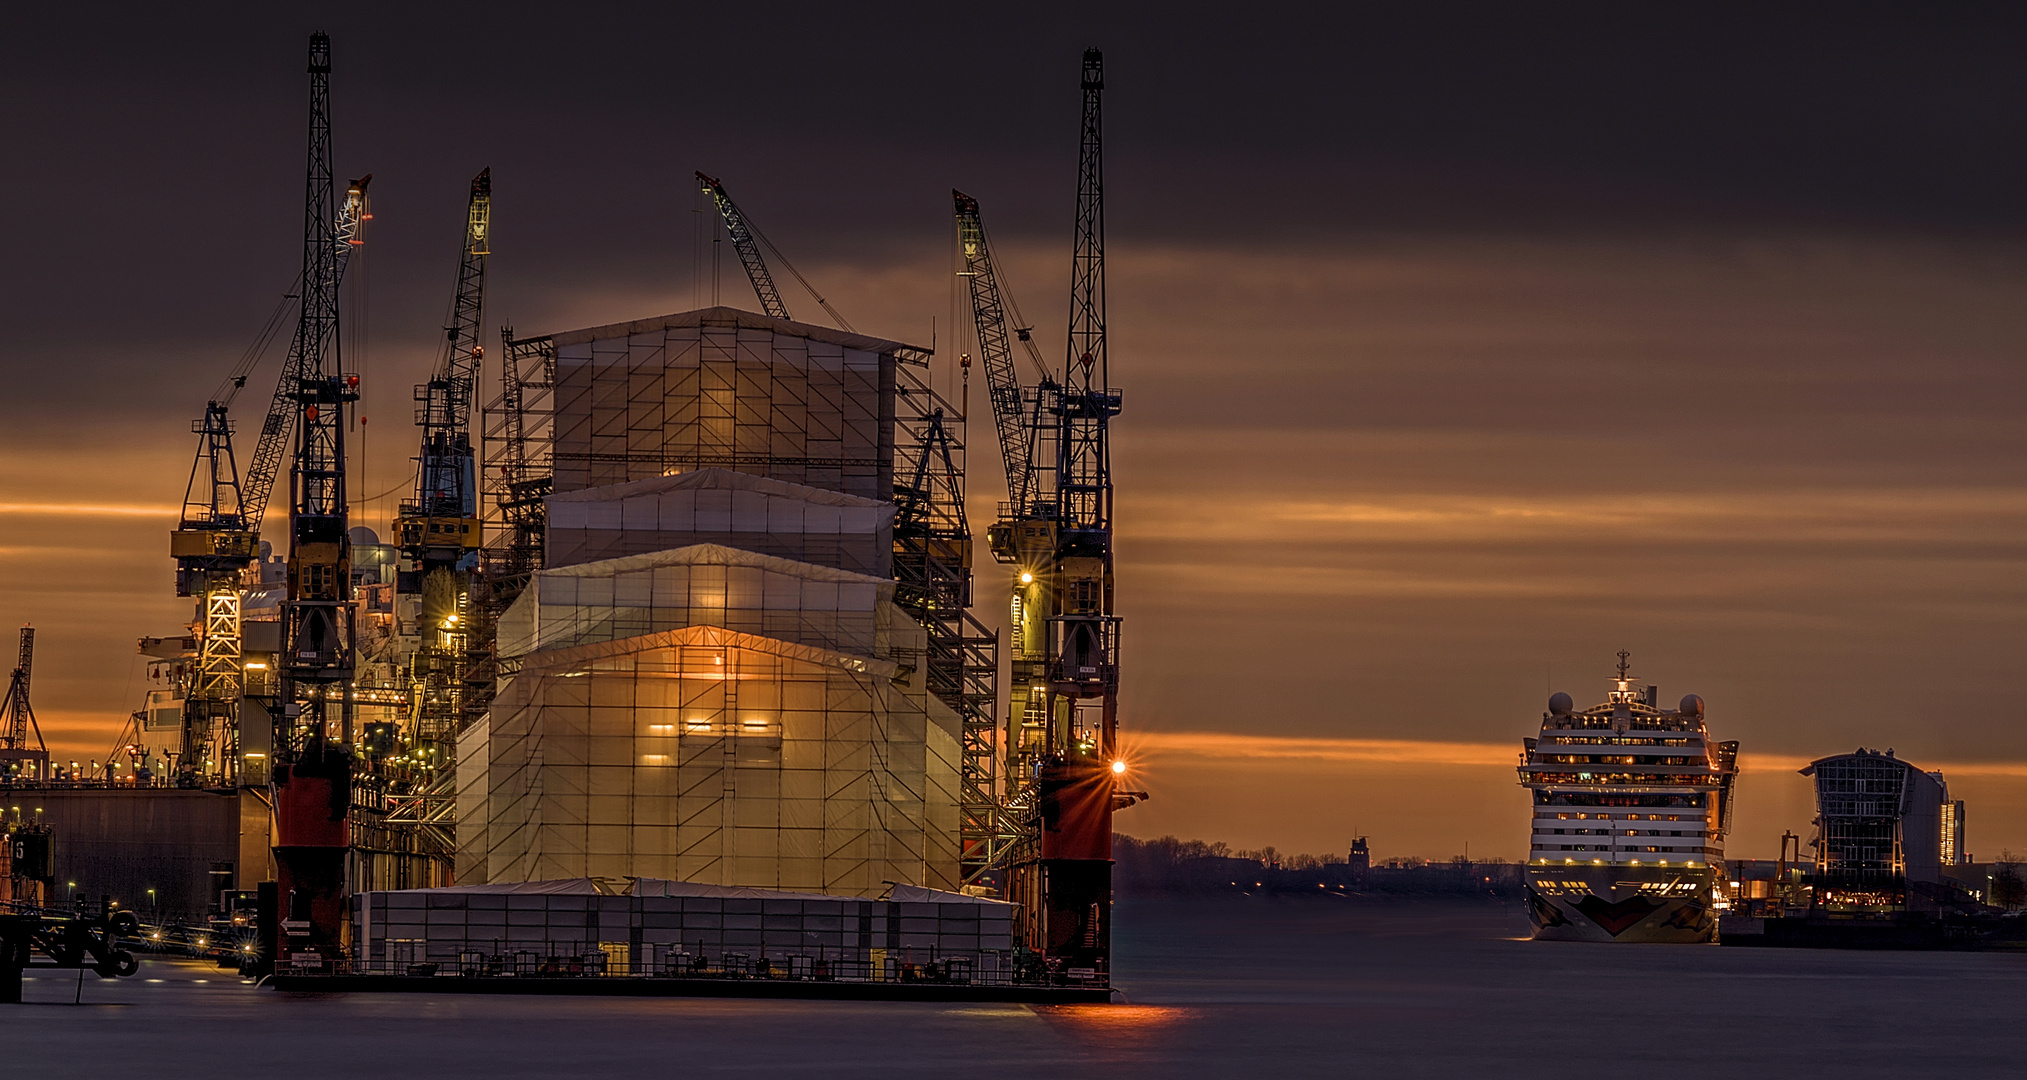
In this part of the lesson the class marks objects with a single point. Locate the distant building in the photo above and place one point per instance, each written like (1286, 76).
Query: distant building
(1361, 856)
(1884, 832)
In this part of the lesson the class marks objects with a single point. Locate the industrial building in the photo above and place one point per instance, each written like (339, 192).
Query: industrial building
(1885, 832)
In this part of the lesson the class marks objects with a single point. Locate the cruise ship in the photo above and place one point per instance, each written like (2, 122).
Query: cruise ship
(1631, 804)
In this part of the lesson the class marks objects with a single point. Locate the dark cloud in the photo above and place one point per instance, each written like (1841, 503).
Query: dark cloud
(1460, 341)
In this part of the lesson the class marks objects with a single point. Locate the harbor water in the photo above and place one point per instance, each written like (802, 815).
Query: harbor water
(1237, 987)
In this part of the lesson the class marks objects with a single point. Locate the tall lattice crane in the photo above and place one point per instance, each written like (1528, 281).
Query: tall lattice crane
(23, 754)
(1064, 773)
(317, 625)
(218, 535)
(748, 241)
(440, 526)
(1084, 640)
(440, 536)
(277, 429)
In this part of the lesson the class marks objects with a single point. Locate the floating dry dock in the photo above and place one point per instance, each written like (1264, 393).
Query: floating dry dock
(706, 986)
(639, 936)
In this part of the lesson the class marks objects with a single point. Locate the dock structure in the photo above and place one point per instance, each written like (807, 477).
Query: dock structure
(690, 599)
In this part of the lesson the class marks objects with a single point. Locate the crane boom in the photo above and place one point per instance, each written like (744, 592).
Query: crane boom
(279, 424)
(748, 247)
(748, 241)
(317, 631)
(25, 660)
(990, 305)
(19, 757)
(443, 518)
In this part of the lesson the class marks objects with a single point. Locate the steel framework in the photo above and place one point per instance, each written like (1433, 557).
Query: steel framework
(19, 757)
(318, 633)
(921, 470)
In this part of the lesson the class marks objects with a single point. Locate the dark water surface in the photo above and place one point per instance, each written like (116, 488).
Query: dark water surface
(1246, 988)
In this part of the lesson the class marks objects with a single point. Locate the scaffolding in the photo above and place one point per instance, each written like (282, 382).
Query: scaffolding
(708, 754)
(721, 389)
(719, 506)
(728, 389)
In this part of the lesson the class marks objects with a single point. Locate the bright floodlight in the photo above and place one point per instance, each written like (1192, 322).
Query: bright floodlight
(1119, 766)
(1027, 578)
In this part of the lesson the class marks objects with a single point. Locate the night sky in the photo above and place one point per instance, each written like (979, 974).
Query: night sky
(1463, 344)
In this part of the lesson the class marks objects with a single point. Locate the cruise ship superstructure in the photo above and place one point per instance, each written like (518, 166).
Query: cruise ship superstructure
(1631, 804)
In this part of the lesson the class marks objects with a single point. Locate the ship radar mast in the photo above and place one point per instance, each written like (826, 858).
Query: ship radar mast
(1625, 691)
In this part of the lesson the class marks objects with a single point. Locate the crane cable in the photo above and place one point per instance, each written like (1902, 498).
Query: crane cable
(257, 351)
(782, 260)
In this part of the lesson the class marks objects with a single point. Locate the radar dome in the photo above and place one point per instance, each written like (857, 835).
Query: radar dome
(1692, 705)
(360, 534)
(1560, 703)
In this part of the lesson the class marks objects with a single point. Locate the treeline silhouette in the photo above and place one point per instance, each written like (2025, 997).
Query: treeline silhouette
(1166, 866)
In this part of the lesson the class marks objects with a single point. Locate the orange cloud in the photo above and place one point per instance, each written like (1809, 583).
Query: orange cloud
(92, 509)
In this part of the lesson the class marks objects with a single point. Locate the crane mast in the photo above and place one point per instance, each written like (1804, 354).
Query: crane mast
(1063, 766)
(439, 529)
(440, 526)
(21, 758)
(278, 427)
(317, 626)
(213, 545)
(218, 535)
(1083, 642)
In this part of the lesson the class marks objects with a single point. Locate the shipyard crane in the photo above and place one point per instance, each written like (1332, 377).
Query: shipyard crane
(347, 232)
(212, 546)
(23, 755)
(218, 534)
(439, 528)
(312, 774)
(317, 625)
(439, 534)
(1063, 766)
(748, 241)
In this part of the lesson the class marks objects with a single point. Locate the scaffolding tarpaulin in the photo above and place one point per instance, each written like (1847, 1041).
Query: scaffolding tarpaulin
(724, 507)
(916, 894)
(701, 585)
(726, 388)
(712, 755)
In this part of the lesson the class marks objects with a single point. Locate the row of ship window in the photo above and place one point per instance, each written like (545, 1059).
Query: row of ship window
(1648, 848)
(1580, 740)
(1610, 832)
(1533, 774)
(1608, 817)
(1613, 759)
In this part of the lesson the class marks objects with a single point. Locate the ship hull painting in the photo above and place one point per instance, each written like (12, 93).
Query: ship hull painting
(1668, 905)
